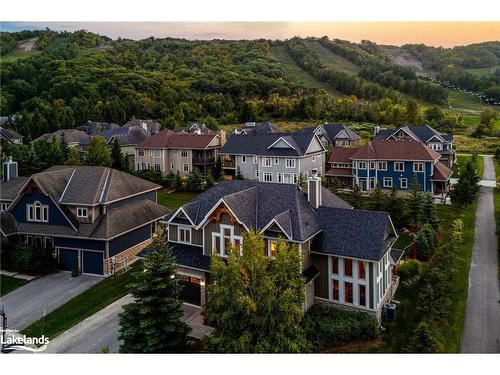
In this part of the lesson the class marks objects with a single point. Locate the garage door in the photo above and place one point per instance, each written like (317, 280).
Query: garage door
(92, 262)
(191, 291)
(68, 259)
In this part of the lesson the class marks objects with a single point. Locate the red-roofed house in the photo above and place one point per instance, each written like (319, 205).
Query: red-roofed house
(390, 164)
(169, 152)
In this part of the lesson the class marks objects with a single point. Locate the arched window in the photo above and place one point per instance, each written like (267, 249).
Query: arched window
(37, 212)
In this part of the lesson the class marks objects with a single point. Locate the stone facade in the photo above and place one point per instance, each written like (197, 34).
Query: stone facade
(124, 259)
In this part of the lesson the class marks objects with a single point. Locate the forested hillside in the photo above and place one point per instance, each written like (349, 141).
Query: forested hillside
(80, 76)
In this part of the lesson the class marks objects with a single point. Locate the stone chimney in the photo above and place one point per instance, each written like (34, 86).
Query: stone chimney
(314, 189)
(9, 169)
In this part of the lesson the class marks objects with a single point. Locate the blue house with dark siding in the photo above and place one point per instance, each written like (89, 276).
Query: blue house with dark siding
(95, 219)
(392, 164)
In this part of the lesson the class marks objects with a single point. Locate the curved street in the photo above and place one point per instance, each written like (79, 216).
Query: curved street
(482, 320)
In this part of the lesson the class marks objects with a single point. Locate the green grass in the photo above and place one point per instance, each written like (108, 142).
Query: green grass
(9, 283)
(462, 159)
(452, 333)
(294, 72)
(18, 54)
(331, 60)
(397, 335)
(466, 144)
(174, 200)
(462, 101)
(82, 306)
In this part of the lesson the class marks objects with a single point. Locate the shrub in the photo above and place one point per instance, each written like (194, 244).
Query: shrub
(424, 250)
(425, 339)
(328, 326)
(25, 258)
(430, 235)
(409, 269)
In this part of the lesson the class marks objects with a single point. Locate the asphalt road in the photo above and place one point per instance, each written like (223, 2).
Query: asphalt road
(482, 320)
(102, 330)
(39, 297)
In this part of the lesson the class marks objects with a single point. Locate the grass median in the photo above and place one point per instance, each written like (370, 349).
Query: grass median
(82, 306)
(9, 283)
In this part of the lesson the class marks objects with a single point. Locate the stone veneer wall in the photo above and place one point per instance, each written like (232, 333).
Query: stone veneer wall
(125, 258)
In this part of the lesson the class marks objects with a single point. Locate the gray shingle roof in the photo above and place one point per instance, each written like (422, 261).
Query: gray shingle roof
(353, 233)
(259, 143)
(90, 185)
(256, 204)
(421, 133)
(10, 134)
(333, 129)
(115, 222)
(71, 135)
(9, 189)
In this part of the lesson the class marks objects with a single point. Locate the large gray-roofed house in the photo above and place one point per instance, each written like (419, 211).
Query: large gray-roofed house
(334, 135)
(273, 157)
(342, 248)
(74, 137)
(10, 136)
(96, 219)
(440, 142)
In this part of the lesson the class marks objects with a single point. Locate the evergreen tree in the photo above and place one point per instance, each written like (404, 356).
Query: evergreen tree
(429, 214)
(334, 185)
(302, 182)
(63, 146)
(209, 180)
(238, 176)
(74, 157)
(356, 199)
(467, 186)
(194, 181)
(424, 250)
(264, 316)
(117, 156)
(378, 200)
(177, 184)
(98, 153)
(217, 171)
(425, 339)
(153, 322)
(414, 202)
(54, 154)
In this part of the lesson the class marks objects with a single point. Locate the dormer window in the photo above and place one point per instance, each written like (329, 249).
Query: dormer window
(82, 213)
(37, 212)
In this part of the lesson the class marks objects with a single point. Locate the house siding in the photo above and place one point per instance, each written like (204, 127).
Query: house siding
(129, 240)
(55, 215)
(81, 244)
(214, 226)
(321, 288)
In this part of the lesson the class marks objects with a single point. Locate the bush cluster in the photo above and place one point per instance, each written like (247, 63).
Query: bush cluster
(409, 269)
(327, 326)
(25, 258)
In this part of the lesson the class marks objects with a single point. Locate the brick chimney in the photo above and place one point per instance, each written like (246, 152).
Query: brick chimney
(314, 189)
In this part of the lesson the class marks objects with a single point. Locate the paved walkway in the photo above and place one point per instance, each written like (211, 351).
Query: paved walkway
(102, 330)
(39, 297)
(482, 320)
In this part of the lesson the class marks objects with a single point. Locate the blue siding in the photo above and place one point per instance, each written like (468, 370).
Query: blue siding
(150, 195)
(129, 239)
(423, 177)
(55, 215)
(78, 243)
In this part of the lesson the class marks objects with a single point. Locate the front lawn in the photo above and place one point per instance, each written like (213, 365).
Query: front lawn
(462, 159)
(175, 199)
(82, 306)
(9, 283)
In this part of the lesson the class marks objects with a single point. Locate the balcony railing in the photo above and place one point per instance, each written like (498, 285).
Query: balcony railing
(203, 160)
(228, 164)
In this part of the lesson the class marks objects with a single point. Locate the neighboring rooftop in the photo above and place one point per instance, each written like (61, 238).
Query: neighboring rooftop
(71, 135)
(263, 144)
(420, 133)
(260, 128)
(403, 149)
(10, 135)
(150, 125)
(172, 140)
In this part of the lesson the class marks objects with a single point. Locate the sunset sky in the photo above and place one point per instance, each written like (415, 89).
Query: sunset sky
(446, 34)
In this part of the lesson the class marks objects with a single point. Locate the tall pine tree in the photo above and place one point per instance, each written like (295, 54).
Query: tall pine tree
(153, 323)
(117, 156)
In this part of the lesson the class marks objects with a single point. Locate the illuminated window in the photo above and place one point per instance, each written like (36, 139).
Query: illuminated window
(335, 290)
(335, 265)
(361, 270)
(348, 293)
(362, 295)
(347, 267)
(272, 249)
(222, 241)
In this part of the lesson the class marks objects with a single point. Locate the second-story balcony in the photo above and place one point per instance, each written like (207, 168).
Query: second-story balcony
(228, 163)
(203, 160)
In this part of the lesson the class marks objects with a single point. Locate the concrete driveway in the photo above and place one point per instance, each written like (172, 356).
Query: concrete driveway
(482, 320)
(102, 330)
(39, 297)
